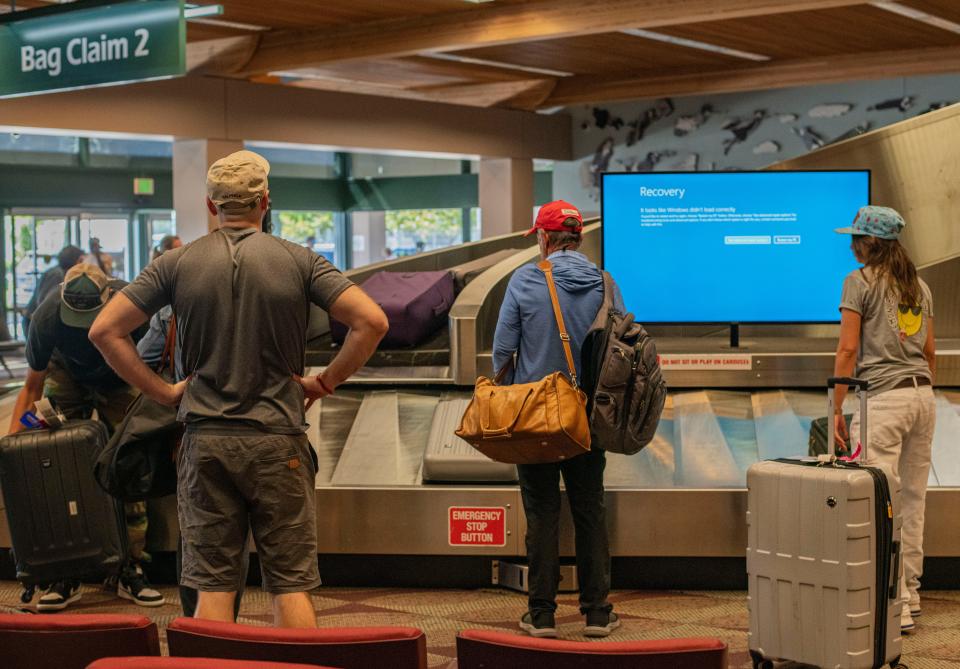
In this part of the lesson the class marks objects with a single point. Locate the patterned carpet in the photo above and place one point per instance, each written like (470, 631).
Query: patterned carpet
(441, 613)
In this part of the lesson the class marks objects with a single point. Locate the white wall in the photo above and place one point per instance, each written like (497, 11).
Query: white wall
(702, 148)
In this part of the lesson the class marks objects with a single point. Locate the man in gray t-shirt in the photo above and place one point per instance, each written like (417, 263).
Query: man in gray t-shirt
(241, 299)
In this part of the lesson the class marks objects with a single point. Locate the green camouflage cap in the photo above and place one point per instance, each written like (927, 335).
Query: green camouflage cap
(84, 292)
(873, 221)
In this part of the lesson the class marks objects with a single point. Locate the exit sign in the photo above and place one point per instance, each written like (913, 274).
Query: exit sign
(143, 186)
(65, 47)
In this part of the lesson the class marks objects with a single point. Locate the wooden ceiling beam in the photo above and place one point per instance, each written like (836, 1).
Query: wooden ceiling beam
(493, 25)
(525, 95)
(780, 74)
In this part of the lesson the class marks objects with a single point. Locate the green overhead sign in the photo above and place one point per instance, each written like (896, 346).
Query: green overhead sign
(88, 44)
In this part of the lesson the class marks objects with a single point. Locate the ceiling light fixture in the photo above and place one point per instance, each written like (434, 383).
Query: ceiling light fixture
(494, 63)
(230, 24)
(191, 11)
(695, 44)
(917, 15)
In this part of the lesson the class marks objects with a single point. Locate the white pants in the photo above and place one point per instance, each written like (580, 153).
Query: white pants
(900, 427)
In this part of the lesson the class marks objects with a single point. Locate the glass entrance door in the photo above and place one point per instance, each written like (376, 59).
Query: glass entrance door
(31, 245)
(106, 238)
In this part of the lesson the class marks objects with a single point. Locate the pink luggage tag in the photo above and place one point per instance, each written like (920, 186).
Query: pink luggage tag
(851, 458)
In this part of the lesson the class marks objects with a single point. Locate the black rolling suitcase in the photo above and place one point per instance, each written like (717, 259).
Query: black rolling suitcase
(62, 525)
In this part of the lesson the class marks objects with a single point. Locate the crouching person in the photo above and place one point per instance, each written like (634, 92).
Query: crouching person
(527, 327)
(66, 368)
(241, 300)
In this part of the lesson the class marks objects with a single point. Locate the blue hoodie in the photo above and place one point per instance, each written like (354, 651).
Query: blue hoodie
(527, 323)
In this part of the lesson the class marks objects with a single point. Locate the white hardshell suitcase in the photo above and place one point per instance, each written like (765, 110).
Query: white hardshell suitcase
(823, 558)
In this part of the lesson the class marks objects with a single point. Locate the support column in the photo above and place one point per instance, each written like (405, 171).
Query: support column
(191, 160)
(369, 237)
(506, 195)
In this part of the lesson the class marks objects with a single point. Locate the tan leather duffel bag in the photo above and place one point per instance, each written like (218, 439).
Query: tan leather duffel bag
(530, 423)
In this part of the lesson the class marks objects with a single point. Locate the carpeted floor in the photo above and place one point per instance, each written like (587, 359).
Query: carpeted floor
(441, 613)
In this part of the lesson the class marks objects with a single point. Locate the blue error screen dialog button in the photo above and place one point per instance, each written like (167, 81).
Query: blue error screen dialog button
(786, 239)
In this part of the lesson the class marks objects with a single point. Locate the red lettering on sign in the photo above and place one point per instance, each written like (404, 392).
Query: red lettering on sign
(477, 525)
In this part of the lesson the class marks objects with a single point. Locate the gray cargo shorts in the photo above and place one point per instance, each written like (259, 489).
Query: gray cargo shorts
(231, 480)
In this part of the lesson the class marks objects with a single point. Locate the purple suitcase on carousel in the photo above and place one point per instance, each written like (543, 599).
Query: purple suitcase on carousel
(416, 305)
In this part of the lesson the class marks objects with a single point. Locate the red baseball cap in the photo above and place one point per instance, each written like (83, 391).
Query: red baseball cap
(553, 214)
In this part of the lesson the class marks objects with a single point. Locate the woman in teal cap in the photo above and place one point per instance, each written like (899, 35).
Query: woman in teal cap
(886, 337)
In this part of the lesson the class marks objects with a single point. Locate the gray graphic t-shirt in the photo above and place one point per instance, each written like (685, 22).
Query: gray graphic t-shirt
(892, 334)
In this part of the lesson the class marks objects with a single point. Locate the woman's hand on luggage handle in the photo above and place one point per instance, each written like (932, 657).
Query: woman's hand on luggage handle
(314, 388)
(842, 436)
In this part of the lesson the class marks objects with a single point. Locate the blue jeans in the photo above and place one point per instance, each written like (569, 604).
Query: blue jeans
(540, 488)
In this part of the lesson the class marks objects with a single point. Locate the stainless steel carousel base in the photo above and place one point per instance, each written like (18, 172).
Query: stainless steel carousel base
(642, 523)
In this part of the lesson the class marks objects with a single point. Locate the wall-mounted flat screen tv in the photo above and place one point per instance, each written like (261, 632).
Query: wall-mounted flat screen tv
(731, 247)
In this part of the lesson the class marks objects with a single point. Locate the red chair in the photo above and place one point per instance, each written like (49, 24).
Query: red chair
(191, 663)
(72, 641)
(345, 647)
(482, 649)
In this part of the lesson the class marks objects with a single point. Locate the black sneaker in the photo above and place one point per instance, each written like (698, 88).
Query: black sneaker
(59, 596)
(540, 624)
(601, 623)
(133, 586)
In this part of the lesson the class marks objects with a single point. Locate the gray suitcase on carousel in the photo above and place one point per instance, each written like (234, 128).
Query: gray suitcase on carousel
(448, 458)
(823, 558)
(62, 524)
(466, 272)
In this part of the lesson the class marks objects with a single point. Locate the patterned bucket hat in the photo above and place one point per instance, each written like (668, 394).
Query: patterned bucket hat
(882, 222)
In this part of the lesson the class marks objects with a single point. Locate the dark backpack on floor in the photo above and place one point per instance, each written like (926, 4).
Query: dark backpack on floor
(622, 379)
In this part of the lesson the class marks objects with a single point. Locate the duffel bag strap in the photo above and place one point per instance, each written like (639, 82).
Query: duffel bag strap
(547, 269)
(502, 432)
(168, 347)
(503, 371)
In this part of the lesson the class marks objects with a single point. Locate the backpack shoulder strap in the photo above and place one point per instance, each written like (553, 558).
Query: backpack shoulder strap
(607, 290)
(169, 346)
(547, 268)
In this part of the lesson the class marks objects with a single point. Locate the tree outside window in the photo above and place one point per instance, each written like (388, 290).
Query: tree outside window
(314, 229)
(412, 231)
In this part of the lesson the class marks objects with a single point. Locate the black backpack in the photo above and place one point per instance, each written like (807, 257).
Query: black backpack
(622, 379)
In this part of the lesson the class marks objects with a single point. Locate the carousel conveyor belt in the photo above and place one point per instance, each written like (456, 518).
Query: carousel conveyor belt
(706, 439)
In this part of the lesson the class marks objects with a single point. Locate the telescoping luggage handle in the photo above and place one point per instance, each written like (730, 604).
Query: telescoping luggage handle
(861, 387)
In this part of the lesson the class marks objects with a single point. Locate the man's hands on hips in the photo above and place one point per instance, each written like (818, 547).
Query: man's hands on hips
(314, 388)
(173, 393)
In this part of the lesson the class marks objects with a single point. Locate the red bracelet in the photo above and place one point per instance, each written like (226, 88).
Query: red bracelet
(323, 385)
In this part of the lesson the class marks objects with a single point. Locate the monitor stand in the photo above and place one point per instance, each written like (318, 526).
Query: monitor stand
(734, 335)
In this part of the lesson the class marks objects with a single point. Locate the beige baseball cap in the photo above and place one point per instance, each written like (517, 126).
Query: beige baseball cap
(238, 179)
(84, 292)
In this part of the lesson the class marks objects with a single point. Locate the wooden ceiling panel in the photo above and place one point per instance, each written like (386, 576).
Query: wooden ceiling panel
(601, 54)
(819, 33)
(399, 73)
(318, 13)
(945, 9)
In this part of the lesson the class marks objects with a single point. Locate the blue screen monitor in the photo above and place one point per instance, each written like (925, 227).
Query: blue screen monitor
(731, 247)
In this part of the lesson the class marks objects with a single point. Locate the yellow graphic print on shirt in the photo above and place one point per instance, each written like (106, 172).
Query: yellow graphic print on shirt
(909, 319)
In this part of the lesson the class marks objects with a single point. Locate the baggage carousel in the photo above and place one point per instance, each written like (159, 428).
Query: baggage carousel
(392, 473)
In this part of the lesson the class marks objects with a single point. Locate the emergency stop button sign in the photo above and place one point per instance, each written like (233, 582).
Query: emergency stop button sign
(477, 525)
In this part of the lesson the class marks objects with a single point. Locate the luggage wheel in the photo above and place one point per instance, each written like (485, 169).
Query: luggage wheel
(759, 662)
